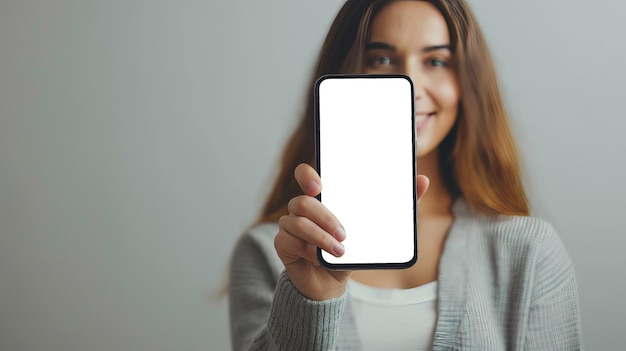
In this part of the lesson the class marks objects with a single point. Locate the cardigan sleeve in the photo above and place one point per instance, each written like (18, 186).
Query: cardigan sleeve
(554, 315)
(270, 314)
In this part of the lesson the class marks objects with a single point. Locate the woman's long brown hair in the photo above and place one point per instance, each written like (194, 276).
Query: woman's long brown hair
(478, 158)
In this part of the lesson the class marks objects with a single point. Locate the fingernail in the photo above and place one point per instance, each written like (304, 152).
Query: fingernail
(340, 234)
(339, 249)
(313, 187)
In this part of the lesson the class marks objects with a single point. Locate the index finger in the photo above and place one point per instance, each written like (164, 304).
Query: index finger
(309, 208)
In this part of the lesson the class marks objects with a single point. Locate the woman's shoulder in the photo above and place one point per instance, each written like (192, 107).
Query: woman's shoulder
(259, 237)
(512, 230)
(255, 248)
(261, 233)
(518, 240)
(522, 229)
(521, 250)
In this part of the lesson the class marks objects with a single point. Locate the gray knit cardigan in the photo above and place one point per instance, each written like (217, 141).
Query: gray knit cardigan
(505, 283)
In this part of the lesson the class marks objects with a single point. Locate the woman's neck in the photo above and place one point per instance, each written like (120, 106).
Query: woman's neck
(437, 200)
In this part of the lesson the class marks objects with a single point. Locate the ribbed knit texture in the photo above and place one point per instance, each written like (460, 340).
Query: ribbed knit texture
(505, 283)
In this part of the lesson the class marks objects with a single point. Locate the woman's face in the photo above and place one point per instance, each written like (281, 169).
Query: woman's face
(411, 38)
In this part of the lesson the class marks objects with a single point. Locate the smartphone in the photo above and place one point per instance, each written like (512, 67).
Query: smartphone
(366, 157)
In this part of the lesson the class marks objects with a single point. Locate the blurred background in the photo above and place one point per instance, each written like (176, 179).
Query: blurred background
(138, 140)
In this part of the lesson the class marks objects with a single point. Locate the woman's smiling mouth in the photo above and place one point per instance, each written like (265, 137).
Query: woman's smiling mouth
(421, 119)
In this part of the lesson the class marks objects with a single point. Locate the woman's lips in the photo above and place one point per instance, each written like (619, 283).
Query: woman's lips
(421, 119)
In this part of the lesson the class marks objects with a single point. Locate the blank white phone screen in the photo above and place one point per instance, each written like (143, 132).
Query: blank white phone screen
(366, 162)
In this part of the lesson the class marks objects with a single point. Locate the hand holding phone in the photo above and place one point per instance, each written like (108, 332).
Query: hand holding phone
(311, 229)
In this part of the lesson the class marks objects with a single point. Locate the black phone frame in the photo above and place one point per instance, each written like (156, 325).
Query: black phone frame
(364, 266)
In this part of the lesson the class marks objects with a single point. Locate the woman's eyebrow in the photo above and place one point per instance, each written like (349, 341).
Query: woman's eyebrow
(384, 46)
(379, 45)
(437, 47)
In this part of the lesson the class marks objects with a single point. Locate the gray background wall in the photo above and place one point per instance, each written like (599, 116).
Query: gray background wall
(138, 139)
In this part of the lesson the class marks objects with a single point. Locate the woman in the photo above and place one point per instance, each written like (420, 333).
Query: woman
(489, 277)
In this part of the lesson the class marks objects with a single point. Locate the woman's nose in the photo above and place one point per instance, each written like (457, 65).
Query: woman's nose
(413, 70)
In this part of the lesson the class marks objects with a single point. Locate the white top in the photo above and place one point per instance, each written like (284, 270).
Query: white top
(394, 319)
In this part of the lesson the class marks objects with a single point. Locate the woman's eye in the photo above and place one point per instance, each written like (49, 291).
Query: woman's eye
(378, 60)
(435, 62)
